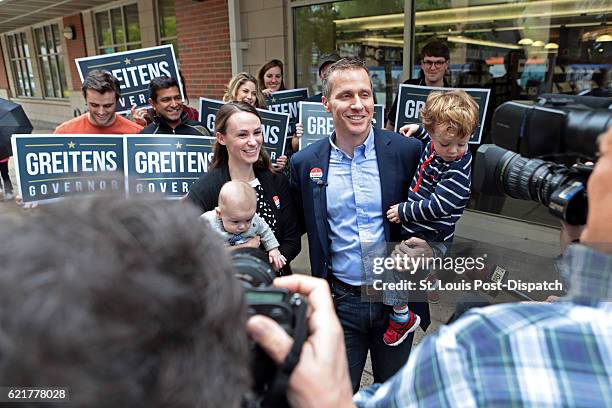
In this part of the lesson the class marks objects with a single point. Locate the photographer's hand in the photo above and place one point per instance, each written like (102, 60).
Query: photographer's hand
(321, 378)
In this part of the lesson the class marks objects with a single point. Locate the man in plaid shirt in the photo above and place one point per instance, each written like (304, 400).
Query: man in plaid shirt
(525, 354)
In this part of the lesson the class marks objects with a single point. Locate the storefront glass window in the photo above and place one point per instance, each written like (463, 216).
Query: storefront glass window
(21, 64)
(519, 50)
(118, 29)
(167, 23)
(346, 26)
(49, 48)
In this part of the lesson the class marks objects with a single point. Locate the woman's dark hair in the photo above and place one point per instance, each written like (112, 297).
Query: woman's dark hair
(262, 72)
(220, 153)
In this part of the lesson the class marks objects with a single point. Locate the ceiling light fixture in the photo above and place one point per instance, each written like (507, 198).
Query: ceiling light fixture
(525, 41)
(604, 38)
(551, 46)
(466, 40)
(538, 43)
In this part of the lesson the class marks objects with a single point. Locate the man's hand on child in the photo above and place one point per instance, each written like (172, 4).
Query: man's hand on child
(393, 214)
(408, 130)
(277, 260)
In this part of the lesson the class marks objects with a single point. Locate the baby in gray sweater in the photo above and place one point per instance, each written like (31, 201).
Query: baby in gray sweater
(236, 221)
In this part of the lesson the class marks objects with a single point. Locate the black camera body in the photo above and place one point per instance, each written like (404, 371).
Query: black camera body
(286, 308)
(560, 127)
(556, 125)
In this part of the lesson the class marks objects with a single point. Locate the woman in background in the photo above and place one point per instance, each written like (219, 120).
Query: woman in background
(243, 88)
(270, 77)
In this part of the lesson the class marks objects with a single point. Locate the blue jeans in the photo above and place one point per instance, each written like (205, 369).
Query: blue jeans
(364, 324)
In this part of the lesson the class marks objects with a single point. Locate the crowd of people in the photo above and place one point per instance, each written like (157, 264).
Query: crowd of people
(138, 296)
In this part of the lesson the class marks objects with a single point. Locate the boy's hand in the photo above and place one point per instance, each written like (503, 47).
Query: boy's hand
(393, 214)
(408, 130)
(277, 260)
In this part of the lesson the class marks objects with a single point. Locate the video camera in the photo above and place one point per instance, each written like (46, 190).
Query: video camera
(287, 309)
(563, 128)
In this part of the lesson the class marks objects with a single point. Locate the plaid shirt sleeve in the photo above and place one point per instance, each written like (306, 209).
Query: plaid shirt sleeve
(528, 355)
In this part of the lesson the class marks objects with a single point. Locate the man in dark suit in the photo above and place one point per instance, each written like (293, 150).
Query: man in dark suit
(344, 185)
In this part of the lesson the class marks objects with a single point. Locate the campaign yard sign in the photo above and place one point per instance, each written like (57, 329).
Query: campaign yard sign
(51, 166)
(287, 101)
(412, 98)
(134, 70)
(165, 165)
(274, 126)
(319, 124)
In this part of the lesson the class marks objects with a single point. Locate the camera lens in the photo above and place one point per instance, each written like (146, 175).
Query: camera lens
(252, 267)
(531, 179)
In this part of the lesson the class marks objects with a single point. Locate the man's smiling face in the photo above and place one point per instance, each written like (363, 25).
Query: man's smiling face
(351, 102)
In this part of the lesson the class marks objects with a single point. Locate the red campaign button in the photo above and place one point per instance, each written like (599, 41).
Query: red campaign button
(316, 174)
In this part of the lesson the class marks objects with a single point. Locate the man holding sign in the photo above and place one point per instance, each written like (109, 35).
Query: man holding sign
(101, 93)
(435, 58)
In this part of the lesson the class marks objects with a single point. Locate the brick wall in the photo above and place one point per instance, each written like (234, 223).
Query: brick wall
(204, 52)
(75, 48)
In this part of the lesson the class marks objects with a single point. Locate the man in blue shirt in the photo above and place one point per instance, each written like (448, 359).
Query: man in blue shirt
(344, 185)
(520, 354)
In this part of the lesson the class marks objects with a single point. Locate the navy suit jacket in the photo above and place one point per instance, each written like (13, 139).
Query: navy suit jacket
(398, 159)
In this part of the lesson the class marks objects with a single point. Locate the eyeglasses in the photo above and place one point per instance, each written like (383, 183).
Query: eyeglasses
(437, 64)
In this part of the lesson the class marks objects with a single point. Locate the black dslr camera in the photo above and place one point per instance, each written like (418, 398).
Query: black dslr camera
(286, 308)
(562, 128)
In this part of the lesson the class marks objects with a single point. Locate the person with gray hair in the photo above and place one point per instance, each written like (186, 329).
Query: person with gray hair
(101, 92)
(124, 303)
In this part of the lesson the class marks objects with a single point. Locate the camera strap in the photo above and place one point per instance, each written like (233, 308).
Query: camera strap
(277, 394)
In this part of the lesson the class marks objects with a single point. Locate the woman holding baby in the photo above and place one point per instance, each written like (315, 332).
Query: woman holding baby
(238, 155)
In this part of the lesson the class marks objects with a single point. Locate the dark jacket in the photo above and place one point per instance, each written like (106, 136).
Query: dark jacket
(186, 127)
(205, 194)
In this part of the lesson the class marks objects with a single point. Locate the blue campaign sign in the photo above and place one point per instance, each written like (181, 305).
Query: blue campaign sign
(412, 98)
(52, 166)
(273, 124)
(134, 70)
(319, 124)
(287, 101)
(166, 165)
